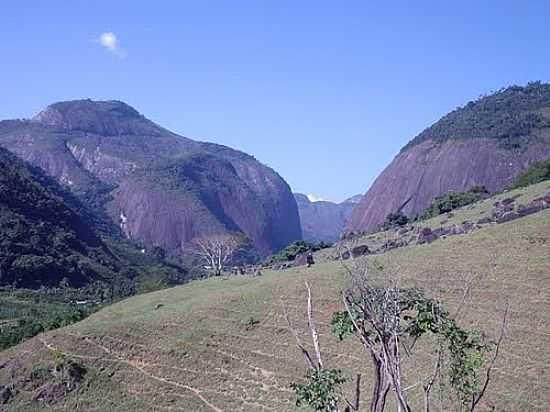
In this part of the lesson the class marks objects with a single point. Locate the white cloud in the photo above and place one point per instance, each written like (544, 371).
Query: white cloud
(109, 40)
(314, 198)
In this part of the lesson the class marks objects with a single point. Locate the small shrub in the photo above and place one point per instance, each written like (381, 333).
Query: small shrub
(251, 323)
(320, 391)
(395, 220)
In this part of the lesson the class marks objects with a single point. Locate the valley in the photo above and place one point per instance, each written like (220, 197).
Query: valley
(223, 344)
(142, 270)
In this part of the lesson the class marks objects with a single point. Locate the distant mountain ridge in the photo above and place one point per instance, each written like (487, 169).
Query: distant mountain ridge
(324, 221)
(162, 189)
(485, 143)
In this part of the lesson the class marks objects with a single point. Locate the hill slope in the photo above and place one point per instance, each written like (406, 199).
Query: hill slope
(223, 344)
(116, 159)
(487, 142)
(324, 221)
(44, 238)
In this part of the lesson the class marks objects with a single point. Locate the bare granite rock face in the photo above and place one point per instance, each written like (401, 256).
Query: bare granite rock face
(487, 142)
(160, 188)
(428, 170)
(324, 221)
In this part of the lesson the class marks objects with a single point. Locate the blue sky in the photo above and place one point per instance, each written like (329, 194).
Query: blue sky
(325, 92)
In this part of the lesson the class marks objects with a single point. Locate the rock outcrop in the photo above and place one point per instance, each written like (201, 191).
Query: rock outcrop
(160, 188)
(485, 143)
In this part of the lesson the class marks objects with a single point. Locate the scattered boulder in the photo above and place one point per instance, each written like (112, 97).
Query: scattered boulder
(360, 250)
(457, 230)
(403, 230)
(357, 251)
(442, 231)
(426, 236)
(485, 220)
(544, 199)
(468, 226)
(507, 217)
(389, 245)
(501, 210)
(508, 201)
(300, 260)
(531, 208)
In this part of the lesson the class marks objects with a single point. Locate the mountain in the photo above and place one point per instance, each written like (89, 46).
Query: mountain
(485, 143)
(44, 236)
(324, 221)
(162, 189)
(224, 344)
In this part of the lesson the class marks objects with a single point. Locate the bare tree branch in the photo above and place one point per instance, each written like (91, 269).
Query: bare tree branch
(299, 344)
(477, 398)
(217, 250)
(312, 329)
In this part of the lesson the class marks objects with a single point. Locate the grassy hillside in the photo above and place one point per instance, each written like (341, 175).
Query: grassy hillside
(223, 345)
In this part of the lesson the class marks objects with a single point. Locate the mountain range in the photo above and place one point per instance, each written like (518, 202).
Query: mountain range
(324, 221)
(161, 189)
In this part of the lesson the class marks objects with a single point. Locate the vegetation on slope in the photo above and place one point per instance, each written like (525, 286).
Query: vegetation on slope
(537, 172)
(453, 200)
(25, 313)
(43, 239)
(223, 343)
(512, 116)
(47, 243)
(289, 253)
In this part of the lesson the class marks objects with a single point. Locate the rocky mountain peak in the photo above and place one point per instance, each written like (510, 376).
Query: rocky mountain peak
(106, 118)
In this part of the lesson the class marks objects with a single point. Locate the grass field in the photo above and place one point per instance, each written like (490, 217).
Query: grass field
(222, 344)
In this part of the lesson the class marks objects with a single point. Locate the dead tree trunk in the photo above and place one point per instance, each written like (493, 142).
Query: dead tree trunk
(381, 385)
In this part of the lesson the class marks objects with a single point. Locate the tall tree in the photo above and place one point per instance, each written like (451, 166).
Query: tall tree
(217, 251)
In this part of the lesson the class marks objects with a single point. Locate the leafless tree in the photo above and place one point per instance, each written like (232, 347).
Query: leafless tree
(316, 364)
(385, 319)
(375, 314)
(216, 251)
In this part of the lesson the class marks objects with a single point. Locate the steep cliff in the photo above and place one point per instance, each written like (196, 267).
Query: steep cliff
(487, 142)
(322, 220)
(161, 188)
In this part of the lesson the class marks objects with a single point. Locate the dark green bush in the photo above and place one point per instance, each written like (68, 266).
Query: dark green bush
(453, 200)
(395, 220)
(290, 252)
(536, 173)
